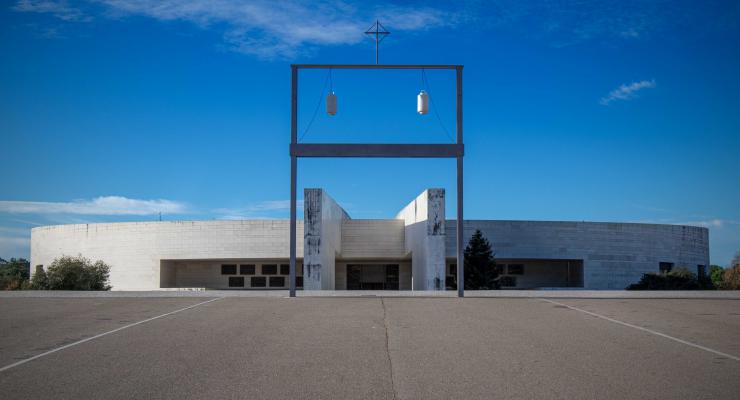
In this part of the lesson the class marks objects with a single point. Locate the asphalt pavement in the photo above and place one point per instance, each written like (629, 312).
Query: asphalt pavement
(368, 348)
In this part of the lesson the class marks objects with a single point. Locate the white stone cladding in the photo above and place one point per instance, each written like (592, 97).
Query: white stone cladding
(614, 254)
(373, 238)
(424, 220)
(134, 249)
(322, 239)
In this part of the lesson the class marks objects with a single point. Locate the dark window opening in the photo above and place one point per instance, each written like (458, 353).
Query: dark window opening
(258, 281)
(228, 269)
(665, 267)
(277, 281)
(453, 269)
(701, 271)
(391, 277)
(499, 268)
(284, 269)
(508, 281)
(373, 277)
(269, 269)
(298, 281)
(450, 283)
(236, 281)
(516, 269)
(246, 269)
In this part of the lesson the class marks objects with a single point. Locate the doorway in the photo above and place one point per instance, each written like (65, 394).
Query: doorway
(372, 276)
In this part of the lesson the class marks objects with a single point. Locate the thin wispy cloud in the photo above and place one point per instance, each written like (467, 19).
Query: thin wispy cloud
(266, 29)
(711, 223)
(105, 205)
(261, 210)
(626, 91)
(59, 9)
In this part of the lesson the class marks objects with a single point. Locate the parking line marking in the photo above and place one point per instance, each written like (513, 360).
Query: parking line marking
(66, 346)
(675, 339)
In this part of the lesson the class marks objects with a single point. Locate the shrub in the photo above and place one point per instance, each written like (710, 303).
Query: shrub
(678, 279)
(73, 273)
(40, 281)
(13, 273)
(731, 278)
(715, 274)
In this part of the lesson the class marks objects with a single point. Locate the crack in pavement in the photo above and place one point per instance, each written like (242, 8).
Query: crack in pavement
(388, 350)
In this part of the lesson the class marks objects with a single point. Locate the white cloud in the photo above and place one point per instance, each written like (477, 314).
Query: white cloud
(106, 205)
(626, 92)
(261, 210)
(264, 28)
(59, 9)
(710, 223)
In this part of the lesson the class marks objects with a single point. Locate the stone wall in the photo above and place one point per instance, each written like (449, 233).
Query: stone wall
(323, 219)
(134, 249)
(614, 254)
(424, 220)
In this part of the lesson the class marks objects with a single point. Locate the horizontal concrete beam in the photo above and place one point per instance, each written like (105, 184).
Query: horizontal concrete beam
(377, 150)
(374, 66)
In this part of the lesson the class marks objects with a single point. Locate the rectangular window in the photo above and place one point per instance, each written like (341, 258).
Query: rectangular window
(508, 281)
(701, 271)
(228, 269)
(665, 267)
(499, 268)
(453, 269)
(246, 269)
(284, 269)
(258, 281)
(236, 281)
(298, 281)
(516, 269)
(391, 277)
(277, 281)
(269, 269)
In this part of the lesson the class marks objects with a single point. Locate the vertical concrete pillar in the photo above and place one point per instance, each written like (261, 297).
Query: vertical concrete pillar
(424, 220)
(322, 239)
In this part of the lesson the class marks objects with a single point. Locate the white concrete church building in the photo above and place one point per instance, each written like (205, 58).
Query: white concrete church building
(413, 251)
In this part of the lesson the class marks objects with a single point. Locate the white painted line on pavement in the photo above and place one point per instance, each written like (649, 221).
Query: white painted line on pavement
(21, 362)
(698, 346)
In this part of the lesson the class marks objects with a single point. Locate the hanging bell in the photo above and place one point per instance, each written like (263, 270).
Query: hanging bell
(331, 104)
(422, 103)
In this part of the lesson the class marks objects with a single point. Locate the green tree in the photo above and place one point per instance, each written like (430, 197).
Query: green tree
(77, 273)
(715, 274)
(731, 278)
(14, 273)
(480, 266)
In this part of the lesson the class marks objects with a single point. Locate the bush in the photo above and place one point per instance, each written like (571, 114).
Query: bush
(678, 279)
(40, 280)
(73, 273)
(731, 278)
(715, 274)
(14, 273)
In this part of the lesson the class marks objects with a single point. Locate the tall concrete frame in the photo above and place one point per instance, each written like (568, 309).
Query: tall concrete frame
(375, 150)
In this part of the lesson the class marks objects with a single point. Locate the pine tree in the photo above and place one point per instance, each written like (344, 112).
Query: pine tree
(480, 266)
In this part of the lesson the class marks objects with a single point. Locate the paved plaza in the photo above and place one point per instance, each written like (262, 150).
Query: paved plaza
(225, 345)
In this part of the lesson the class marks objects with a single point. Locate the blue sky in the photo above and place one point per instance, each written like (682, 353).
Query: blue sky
(116, 110)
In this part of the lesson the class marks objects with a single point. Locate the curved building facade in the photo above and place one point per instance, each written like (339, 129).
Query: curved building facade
(413, 251)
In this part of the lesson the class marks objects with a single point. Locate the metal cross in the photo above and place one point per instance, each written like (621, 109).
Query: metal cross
(380, 33)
